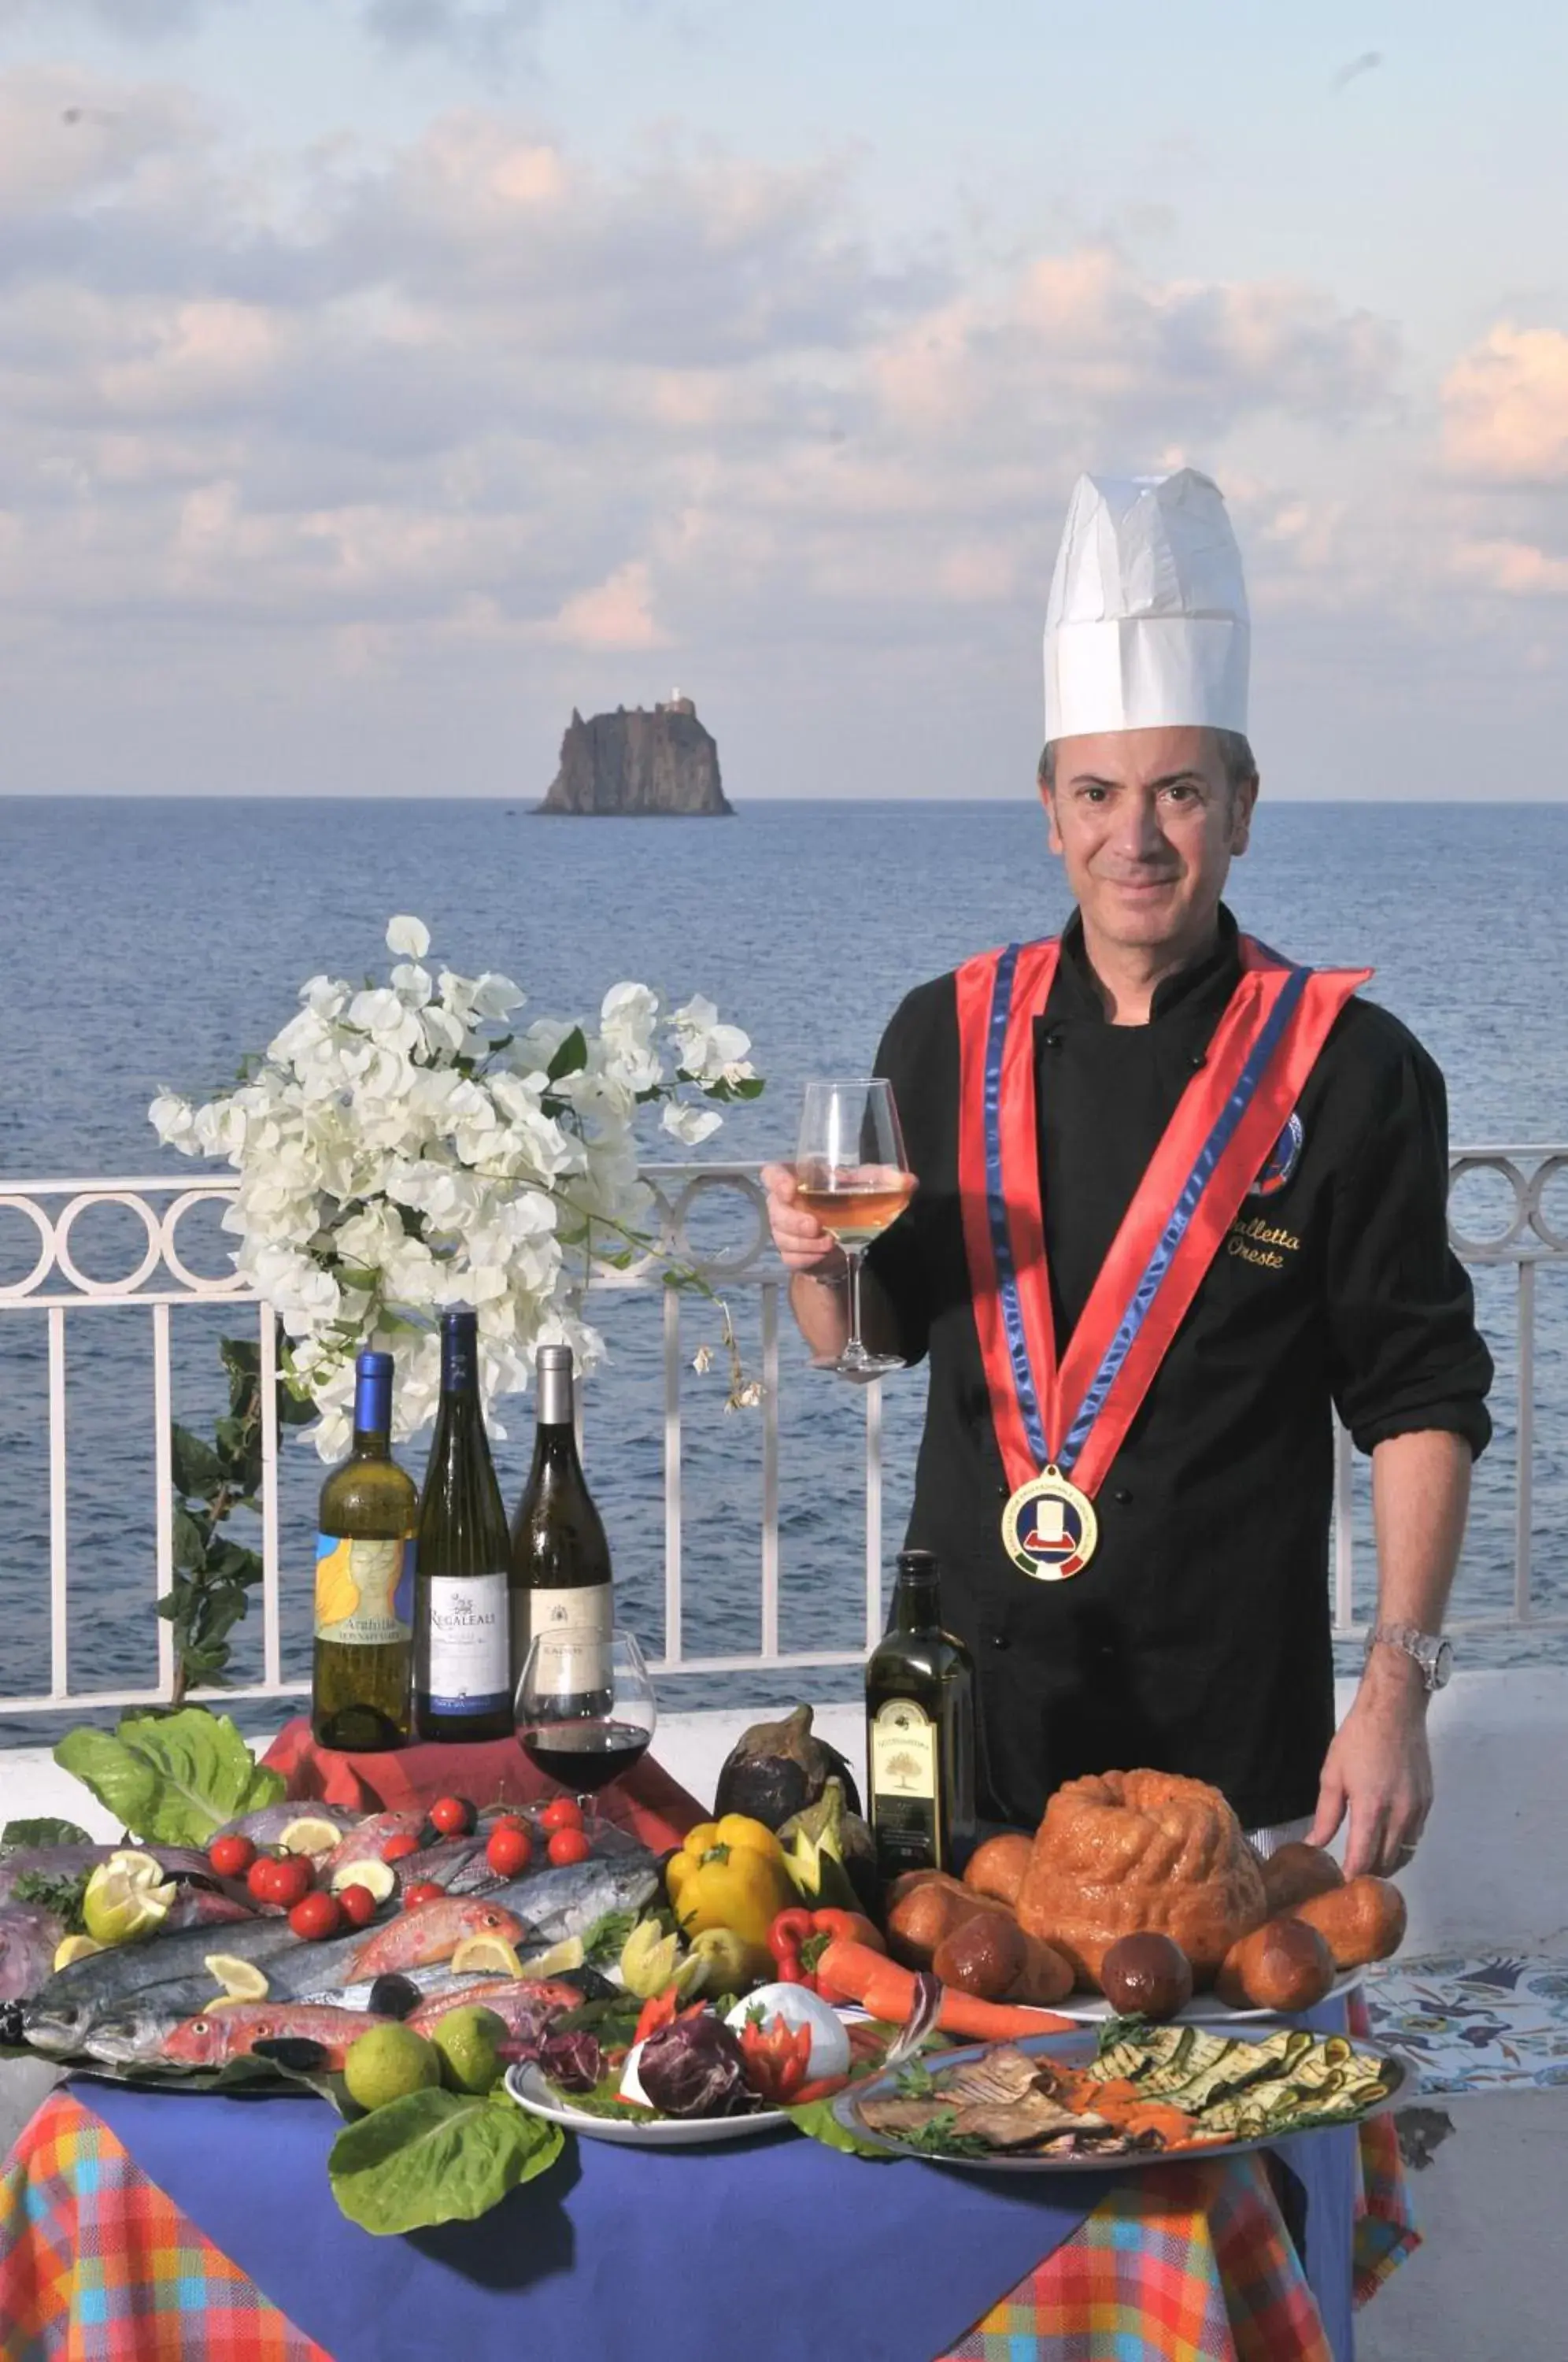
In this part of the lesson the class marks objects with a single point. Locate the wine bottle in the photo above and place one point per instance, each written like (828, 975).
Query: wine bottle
(920, 1731)
(364, 1581)
(560, 1560)
(462, 1686)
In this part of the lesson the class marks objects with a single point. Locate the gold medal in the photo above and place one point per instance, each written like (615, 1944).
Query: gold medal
(1049, 1527)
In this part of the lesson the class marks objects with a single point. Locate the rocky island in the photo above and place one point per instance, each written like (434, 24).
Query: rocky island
(637, 763)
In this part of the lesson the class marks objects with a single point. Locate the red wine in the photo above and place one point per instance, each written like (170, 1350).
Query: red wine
(586, 1755)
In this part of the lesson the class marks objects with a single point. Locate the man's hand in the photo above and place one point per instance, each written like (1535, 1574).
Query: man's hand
(802, 1243)
(1379, 1770)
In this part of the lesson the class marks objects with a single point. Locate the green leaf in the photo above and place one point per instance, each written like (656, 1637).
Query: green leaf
(570, 1058)
(44, 1832)
(240, 1357)
(232, 1562)
(605, 1940)
(173, 1779)
(190, 1542)
(817, 2119)
(197, 1468)
(60, 1895)
(436, 2157)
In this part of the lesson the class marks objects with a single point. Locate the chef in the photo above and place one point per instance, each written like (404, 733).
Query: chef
(1180, 1195)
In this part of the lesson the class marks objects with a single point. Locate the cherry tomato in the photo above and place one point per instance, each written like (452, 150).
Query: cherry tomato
(357, 1905)
(566, 1813)
(292, 1879)
(315, 1917)
(231, 1857)
(509, 1849)
(569, 1844)
(423, 1890)
(395, 1849)
(258, 1878)
(453, 1816)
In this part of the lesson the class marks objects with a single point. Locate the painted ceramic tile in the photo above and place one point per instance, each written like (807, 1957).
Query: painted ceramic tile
(1467, 2024)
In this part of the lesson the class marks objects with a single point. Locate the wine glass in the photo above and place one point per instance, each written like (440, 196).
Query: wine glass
(585, 1708)
(851, 1172)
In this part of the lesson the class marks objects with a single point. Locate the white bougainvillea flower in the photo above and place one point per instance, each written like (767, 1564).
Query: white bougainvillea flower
(707, 1047)
(690, 1125)
(410, 938)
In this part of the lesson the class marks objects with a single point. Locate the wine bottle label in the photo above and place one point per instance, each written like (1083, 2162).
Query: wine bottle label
(904, 1781)
(574, 1626)
(363, 1590)
(469, 1645)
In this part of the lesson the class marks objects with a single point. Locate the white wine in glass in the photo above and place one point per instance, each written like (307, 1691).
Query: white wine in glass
(852, 1175)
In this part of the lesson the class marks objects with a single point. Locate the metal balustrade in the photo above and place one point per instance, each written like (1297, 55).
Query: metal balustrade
(58, 1292)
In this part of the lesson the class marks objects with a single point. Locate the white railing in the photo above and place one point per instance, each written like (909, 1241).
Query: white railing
(160, 1280)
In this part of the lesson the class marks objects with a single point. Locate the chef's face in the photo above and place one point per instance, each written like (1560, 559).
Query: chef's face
(1147, 826)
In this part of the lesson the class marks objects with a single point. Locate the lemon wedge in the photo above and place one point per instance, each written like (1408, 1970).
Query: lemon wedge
(240, 1980)
(74, 1947)
(378, 1878)
(126, 1897)
(309, 1834)
(568, 1954)
(492, 1954)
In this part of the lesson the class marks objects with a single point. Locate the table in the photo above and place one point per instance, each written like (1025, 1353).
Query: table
(1173, 2264)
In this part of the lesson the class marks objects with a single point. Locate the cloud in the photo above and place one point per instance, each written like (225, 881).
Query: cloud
(1506, 408)
(489, 34)
(1514, 568)
(617, 614)
(132, 20)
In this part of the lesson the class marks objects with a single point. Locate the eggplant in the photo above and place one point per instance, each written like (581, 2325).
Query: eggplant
(778, 1769)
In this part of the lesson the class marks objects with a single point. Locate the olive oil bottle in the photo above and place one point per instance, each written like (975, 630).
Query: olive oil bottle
(920, 1731)
(560, 1560)
(364, 1570)
(462, 1680)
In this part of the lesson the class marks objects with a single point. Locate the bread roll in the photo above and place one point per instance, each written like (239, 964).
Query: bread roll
(926, 1907)
(1284, 1964)
(997, 1867)
(1047, 1978)
(984, 1956)
(1147, 1975)
(1362, 1922)
(1296, 1873)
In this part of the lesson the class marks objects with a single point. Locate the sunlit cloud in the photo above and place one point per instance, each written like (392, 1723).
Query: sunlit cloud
(1506, 408)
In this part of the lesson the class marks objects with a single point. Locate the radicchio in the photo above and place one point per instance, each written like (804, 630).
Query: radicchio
(695, 2067)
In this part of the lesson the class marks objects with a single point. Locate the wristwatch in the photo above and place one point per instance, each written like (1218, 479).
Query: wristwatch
(1432, 1653)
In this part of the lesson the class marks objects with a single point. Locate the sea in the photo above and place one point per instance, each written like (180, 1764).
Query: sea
(148, 944)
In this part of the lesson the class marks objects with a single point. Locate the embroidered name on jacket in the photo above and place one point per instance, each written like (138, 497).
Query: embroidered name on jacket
(1261, 1242)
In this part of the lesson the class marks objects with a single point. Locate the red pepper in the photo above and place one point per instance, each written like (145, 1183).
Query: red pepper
(661, 2011)
(788, 1932)
(798, 1938)
(776, 2057)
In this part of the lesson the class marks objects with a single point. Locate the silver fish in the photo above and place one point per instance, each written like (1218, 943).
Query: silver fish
(28, 1935)
(74, 1860)
(266, 1825)
(556, 1903)
(73, 2001)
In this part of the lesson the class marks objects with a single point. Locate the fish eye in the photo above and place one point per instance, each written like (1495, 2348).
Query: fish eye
(201, 2025)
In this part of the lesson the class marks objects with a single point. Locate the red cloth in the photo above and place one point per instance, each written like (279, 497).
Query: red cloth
(655, 1807)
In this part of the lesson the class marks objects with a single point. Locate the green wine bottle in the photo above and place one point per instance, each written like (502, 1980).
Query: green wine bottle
(920, 1731)
(462, 1687)
(364, 1579)
(560, 1560)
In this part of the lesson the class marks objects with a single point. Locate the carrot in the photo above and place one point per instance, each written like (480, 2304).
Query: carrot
(888, 1990)
(998, 2021)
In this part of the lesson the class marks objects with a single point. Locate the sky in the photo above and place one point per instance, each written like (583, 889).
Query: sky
(381, 379)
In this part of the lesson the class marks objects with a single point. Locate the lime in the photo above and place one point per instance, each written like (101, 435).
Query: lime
(309, 1834)
(388, 2063)
(492, 1953)
(465, 2038)
(379, 1877)
(240, 1980)
(74, 1947)
(126, 1897)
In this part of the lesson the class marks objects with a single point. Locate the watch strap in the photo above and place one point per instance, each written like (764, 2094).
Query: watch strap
(1426, 1647)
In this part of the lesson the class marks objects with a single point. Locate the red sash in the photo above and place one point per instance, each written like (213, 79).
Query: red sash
(1075, 1415)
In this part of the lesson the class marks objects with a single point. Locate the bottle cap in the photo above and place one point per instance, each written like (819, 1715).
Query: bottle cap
(460, 1349)
(920, 1566)
(554, 1368)
(372, 1394)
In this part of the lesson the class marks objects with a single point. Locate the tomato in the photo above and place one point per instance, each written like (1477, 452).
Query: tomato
(395, 1849)
(509, 1849)
(231, 1857)
(357, 1905)
(292, 1879)
(316, 1916)
(423, 1890)
(258, 1878)
(566, 1813)
(569, 1844)
(453, 1816)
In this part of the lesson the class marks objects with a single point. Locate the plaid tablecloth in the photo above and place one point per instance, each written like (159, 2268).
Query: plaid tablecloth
(1178, 2263)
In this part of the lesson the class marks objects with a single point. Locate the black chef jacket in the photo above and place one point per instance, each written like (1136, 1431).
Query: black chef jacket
(1197, 1637)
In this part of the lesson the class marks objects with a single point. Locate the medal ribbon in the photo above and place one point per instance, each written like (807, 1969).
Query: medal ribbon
(1077, 1415)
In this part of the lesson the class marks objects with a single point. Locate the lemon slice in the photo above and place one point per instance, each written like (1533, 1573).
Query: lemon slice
(378, 1878)
(240, 1980)
(126, 1897)
(74, 1947)
(310, 1834)
(569, 1954)
(492, 1953)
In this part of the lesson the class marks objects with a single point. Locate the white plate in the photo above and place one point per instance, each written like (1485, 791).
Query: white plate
(1203, 2009)
(528, 2087)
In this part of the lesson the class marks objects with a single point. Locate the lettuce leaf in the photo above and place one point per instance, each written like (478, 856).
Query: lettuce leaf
(170, 1779)
(17, 1836)
(436, 2157)
(817, 2119)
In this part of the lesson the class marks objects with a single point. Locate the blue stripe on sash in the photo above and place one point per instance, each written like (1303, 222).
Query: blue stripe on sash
(1185, 1206)
(996, 1207)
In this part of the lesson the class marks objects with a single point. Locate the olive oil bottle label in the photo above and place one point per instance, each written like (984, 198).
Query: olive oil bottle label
(363, 1590)
(470, 1661)
(905, 1783)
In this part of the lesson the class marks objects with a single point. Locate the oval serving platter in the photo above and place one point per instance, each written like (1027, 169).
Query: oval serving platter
(528, 2087)
(1203, 2009)
(1079, 2050)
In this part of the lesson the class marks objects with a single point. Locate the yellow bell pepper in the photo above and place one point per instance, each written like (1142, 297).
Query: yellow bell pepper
(729, 1874)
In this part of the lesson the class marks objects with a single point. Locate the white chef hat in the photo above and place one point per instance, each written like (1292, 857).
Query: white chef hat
(1146, 625)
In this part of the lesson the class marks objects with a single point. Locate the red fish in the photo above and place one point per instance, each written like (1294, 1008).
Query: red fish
(365, 1840)
(527, 2003)
(430, 1932)
(230, 2030)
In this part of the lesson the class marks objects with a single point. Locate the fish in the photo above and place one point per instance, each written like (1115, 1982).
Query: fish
(205, 1907)
(432, 1932)
(556, 1903)
(74, 1861)
(69, 2004)
(232, 2031)
(458, 1864)
(527, 2003)
(29, 1937)
(364, 1841)
(266, 1825)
